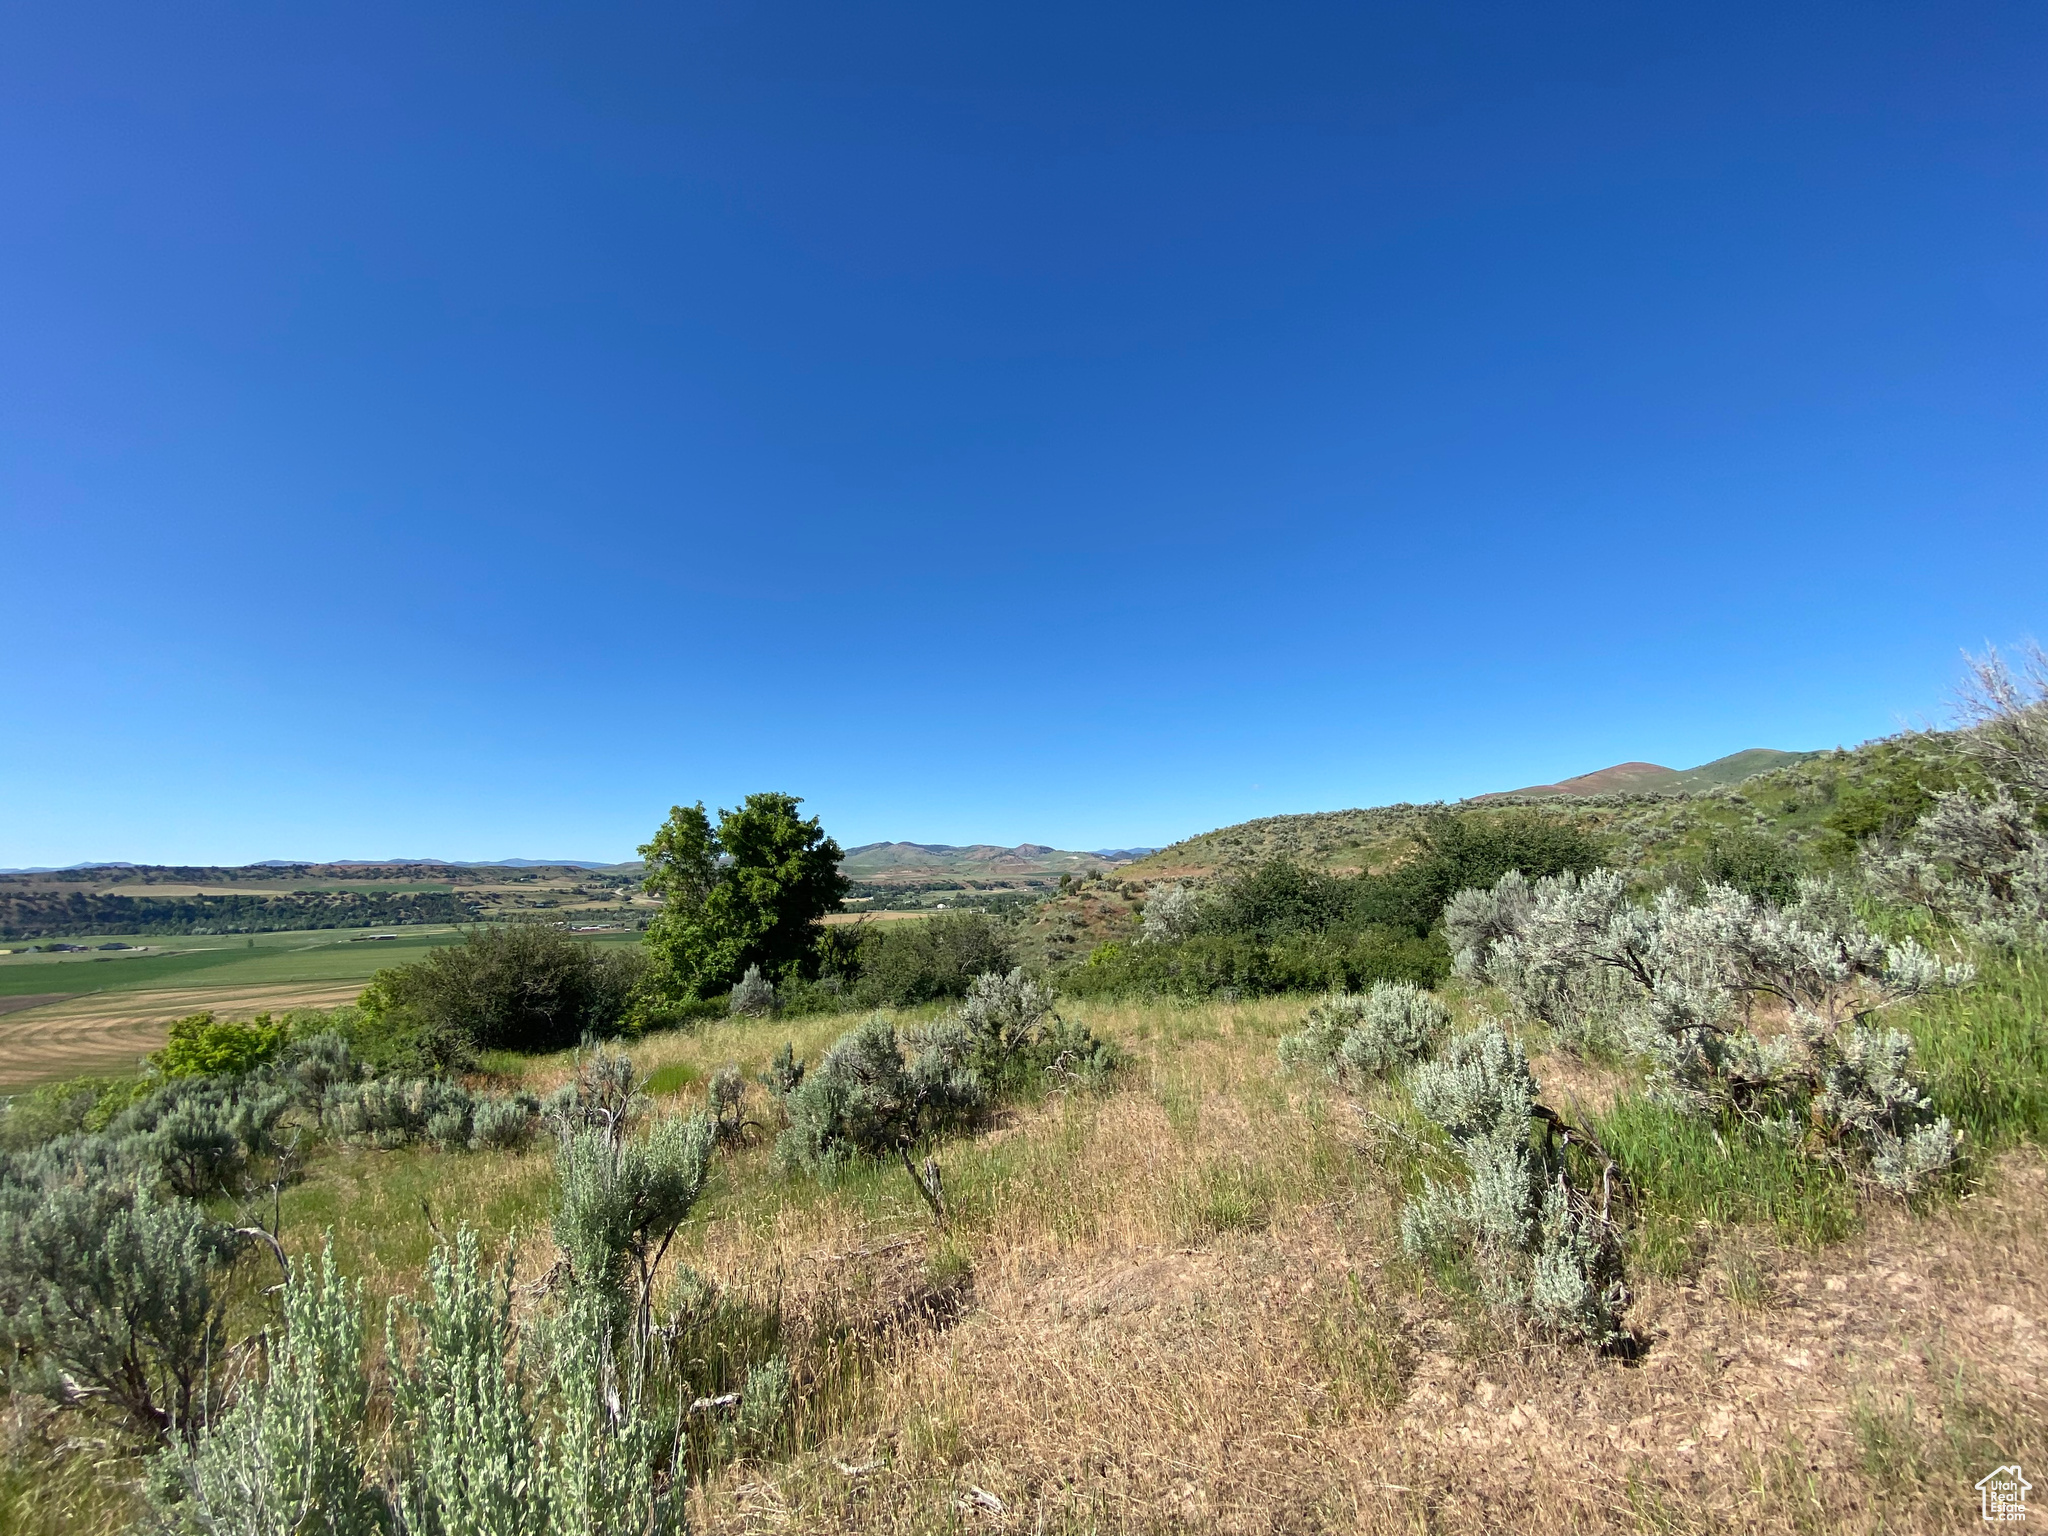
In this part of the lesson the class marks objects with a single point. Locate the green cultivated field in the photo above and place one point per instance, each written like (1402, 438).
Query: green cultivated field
(227, 960)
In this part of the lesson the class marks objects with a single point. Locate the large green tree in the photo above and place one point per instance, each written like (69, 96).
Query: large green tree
(748, 892)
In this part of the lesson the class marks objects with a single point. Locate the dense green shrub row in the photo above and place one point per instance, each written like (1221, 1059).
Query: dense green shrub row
(1283, 927)
(902, 964)
(885, 965)
(1211, 963)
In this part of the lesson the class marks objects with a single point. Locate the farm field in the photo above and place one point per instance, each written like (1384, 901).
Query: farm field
(98, 1013)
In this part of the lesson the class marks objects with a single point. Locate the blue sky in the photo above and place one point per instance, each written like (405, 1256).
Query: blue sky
(466, 431)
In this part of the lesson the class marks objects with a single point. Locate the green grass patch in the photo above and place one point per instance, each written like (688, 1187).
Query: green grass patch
(382, 1207)
(1685, 1170)
(673, 1078)
(1221, 1197)
(1984, 1051)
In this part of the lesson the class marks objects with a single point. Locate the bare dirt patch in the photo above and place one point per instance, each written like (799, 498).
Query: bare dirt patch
(17, 1004)
(1301, 1379)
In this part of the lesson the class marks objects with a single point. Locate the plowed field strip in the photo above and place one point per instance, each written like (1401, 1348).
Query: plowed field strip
(109, 1031)
(16, 1004)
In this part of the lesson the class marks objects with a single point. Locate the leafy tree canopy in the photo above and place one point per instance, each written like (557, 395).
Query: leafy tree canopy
(747, 892)
(200, 1046)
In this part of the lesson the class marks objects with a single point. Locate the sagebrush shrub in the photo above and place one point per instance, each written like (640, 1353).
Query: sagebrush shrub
(497, 1426)
(874, 1094)
(1362, 1035)
(1582, 1004)
(618, 1202)
(470, 1453)
(724, 1096)
(107, 1287)
(1681, 977)
(314, 1065)
(1069, 1052)
(1003, 1012)
(202, 1132)
(389, 1113)
(1538, 1243)
(605, 1094)
(1170, 915)
(1978, 857)
(504, 1124)
(1016, 1036)
(785, 1073)
(754, 994)
(290, 1455)
(1978, 862)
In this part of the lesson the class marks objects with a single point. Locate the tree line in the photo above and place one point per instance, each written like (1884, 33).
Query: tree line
(66, 914)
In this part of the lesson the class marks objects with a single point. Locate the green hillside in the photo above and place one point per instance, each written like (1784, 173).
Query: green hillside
(1736, 767)
(1811, 801)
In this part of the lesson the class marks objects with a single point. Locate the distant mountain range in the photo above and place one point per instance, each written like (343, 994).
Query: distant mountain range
(1651, 779)
(480, 863)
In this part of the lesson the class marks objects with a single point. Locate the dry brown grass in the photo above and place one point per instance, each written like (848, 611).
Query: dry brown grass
(1186, 1309)
(1180, 1305)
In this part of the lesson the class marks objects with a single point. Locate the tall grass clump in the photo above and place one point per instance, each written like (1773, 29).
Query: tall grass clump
(1984, 1051)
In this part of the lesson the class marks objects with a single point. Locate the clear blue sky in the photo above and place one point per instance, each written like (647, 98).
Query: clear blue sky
(466, 431)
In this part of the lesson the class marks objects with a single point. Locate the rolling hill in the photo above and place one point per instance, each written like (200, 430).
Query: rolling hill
(1652, 779)
(884, 863)
(1657, 803)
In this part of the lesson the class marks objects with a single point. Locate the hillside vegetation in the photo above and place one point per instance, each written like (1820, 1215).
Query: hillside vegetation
(888, 863)
(1688, 1177)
